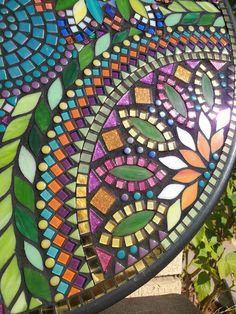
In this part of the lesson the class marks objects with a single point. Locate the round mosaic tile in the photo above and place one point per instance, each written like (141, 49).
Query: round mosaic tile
(117, 137)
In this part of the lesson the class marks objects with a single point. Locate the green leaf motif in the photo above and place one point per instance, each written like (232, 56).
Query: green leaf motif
(173, 215)
(26, 104)
(37, 284)
(102, 44)
(202, 285)
(35, 140)
(86, 56)
(5, 211)
(133, 223)
(95, 10)
(20, 306)
(33, 255)
(207, 90)
(55, 93)
(70, 74)
(24, 193)
(147, 129)
(119, 37)
(42, 117)
(65, 4)
(7, 245)
(26, 224)
(131, 173)
(27, 164)
(124, 8)
(10, 282)
(139, 8)
(8, 153)
(16, 128)
(176, 100)
(173, 19)
(5, 179)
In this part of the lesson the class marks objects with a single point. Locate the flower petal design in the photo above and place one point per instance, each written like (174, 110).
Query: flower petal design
(192, 158)
(186, 176)
(203, 146)
(176, 100)
(223, 119)
(217, 141)
(79, 11)
(189, 195)
(186, 138)
(207, 90)
(173, 162)
(133, 223)
(131, 173)
(173, 215)
(205, 125)
(171, 191)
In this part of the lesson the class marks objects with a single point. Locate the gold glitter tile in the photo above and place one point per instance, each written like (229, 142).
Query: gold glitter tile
(143, 95)
(113, 139)
(103, 200)
(183, 74)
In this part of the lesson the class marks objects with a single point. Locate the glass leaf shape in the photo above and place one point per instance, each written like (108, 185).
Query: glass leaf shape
(147, 129)
(131, 173)
(133, 223)
(176, 100)
(207, 90)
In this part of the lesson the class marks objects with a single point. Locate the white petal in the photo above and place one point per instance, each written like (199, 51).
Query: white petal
(222, 119)
(173, 162)
(205, 125)
(186, 138)
(171, 191)
(173, 215)
(27, 164)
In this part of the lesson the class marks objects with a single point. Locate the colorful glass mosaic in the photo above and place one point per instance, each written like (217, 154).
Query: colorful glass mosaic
(117, 135)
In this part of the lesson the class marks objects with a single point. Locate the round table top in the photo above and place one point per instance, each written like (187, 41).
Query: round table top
(117, 137)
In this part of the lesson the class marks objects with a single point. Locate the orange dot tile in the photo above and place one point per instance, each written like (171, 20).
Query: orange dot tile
(59, 240)
(56, 222)
(64, 258)
(75, 113)
(55, 204)
(82, 102)
(69, 275)
(54, 186)
(70, 126)
(59, 154)
(64, 139)
(56, 169)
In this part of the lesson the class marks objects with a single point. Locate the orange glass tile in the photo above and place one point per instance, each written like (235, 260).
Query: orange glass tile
(56, 169)
(59, 154)
(56, 222)
(75, 113)
(73, 291)
(54, 186)
(64, 258)
(70, 126)
(59, 240)
(55, 204)
(69, 275)
(64, 139)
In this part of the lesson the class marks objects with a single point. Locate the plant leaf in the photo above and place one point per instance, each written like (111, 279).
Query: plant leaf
(26, 224)
(24, 193)
(186, 176)
(186, 138)
(10, 282)
(62, 4)
(37, 284)
(95, 10)
(33, 255)
(192, 158)
(147, 129)
(26, 104)
(173, 19)
(138, 7)
(171, 191)
(27, 164)
(8, 153)
(203, 146)
(189, 195)
(16, 128)
(55, 93)
(207, 90)
(5, 179)
(202, 285)
(20, 306)
(173, 162)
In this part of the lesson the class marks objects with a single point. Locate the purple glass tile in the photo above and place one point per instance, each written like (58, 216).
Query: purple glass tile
(63, 212)
(66, 164)
(62, 195)
(75, 136)
(75, 263)
(80, 123)
(70, 246)
(80, 281)
(64, 179)
(65, 229)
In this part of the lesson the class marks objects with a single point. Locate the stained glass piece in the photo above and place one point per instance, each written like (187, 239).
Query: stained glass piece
(207, 90)
(176, 100)
(133, 223)
(131, 173)
(148, 129)
(33, 255)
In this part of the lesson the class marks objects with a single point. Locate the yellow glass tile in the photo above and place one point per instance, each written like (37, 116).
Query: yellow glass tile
(140, 266)
(139, 206)
(110, 226)
(118, 216)
(116, 242)
(162, 209)
(81, 191)
(149, 228)
(81, 203)
(143, 95)
(103, 200)
(128, 240)
(82, 215)
(130, 272)
(150, 259)
(105, 239)
(157, 219)
(139, 236)
(82, 179)
(113, 139)
(183, 74)
(128, 210)
(98, 277)
(84, 227)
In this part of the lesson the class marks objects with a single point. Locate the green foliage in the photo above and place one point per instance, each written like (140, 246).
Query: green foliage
(211, 265)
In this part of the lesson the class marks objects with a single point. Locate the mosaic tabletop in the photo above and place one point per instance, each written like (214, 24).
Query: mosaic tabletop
(117, 136)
